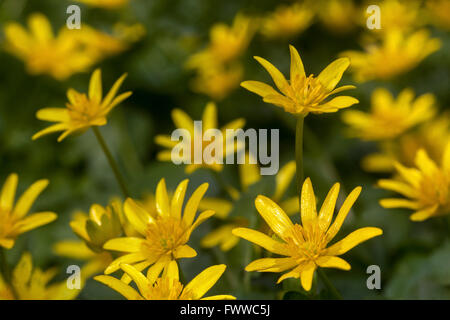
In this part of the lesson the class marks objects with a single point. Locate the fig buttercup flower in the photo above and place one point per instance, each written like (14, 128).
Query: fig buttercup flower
(426, 188)
(168, 286)
(32, 284)
(82, 111)
(13, 217)
(209, 121)
(163, 237)
(389, 117)
(302, 95)
(305, 246)
(287, 21)
(397, 53)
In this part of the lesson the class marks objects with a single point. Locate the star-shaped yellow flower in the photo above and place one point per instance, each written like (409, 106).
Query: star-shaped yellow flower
(427, 187)
(301, 94)
(305, 246)
(162, 238)
(13, 220)
(167, 287)
(82, 111)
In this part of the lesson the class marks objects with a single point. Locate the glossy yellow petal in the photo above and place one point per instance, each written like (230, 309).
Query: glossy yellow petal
(327, 210)
(22, 271)
(297, 69)
(352, 240)
(283, 179)
(337, 103)
(260, 88)
(274, 216)
(140, 280)
(27, 199)
(261, 240)
(182, 120)
(73, 249)
(184, 251)
(342, 214)
(95, 86)
(397, 186)
(424, 214)
(53, 114)
(271, 264)
(172, 270)
(53, 128)
(137, 215)
(332, 74)
(40, 27)
(8, 192)
(162, 199)
(332, 262)
(399, 203)
(35, 220)
(125, 244)
(122, 288)
(308, 205)
(192, 204)
(165, 141)
(130, 258)
(176, 204)
(307, 274)
(113, 91)
(205, 280)
(278, 78)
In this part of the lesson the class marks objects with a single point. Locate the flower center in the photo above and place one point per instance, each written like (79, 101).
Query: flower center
(308, 91)
(435, 189)
(165, 235)
(6, 223)
(306, 244)
(84, 110)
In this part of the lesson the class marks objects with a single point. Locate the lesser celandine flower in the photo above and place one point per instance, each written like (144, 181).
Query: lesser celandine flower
(396, 54)
(305, 247)
(426, 187)
(389, 117)
(209, 121)
(287, 21)
(302, 95)
(30, 283)
(162, 238)
(82, 111)
(106, 4)
(168, 286)
(13, 217)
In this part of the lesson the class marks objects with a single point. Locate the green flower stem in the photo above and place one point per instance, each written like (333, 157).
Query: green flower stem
(299, 153)
(112, 162)
(329, 285)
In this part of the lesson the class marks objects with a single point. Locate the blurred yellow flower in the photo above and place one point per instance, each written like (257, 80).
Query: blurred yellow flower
(101, 225)
(338, 16)
(73, 249)
(432, 136)
(287, 21)
(82, 111)
(390, 117)
(13, 219)
(302, 95)
(162, 238)
(396, 54)
(305, 246)
(426, 187)
(30, 283)
(106, 4)
(167, 287)
(209, 121)
(439, 12)
(129, 32)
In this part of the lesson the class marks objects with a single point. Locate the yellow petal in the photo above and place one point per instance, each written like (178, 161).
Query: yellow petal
(40, 27)
(8, 192)
(95, 86)
(261, 240)
(332, 74)
(113, 91)
(172, 271)
(7, 243)
(308, 205)
(276, 75)
(283, 180)
(201, 218)
(184, 251)
(140, 280)
(192, 204)
(162, 199)
(183, 121)
(271, 264)
(22, 272)
(165, 141)
(209, 117)
(178, 198)
(297, 69)
(260, 88)
(342, 214)
(53, 114)
(425, 164)
(274, 216)
(137, 216)
(220, 297)
(117, 100)
(35, 220)
(53, 128)
(397, 186)
(221, 207)
(332, 262)
(307, 274)
(327, 209)
(125, 244)
(27, 199)
(204, 281)
(399, 203)
(424, 213)
(73, 249)
(352, 240)
(122, 288)
(339, 103)
(130, 258)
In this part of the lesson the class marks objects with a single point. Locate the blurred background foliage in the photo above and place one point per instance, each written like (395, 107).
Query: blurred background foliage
(413, 257)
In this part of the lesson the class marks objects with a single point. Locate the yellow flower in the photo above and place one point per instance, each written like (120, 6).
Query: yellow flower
(13, 220)
(432, 136)
(32, 284)
(302, 94)
(82, 111)
(163, 237)
(439, 12)
(209, 121)
(287, 21)
(305, 246)
(390, 117)
(338, 16)
(167, 287)
(106, 4)
(95, 262)
(101, 225)
(129, 32)
(396, 54)
(426, 188)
